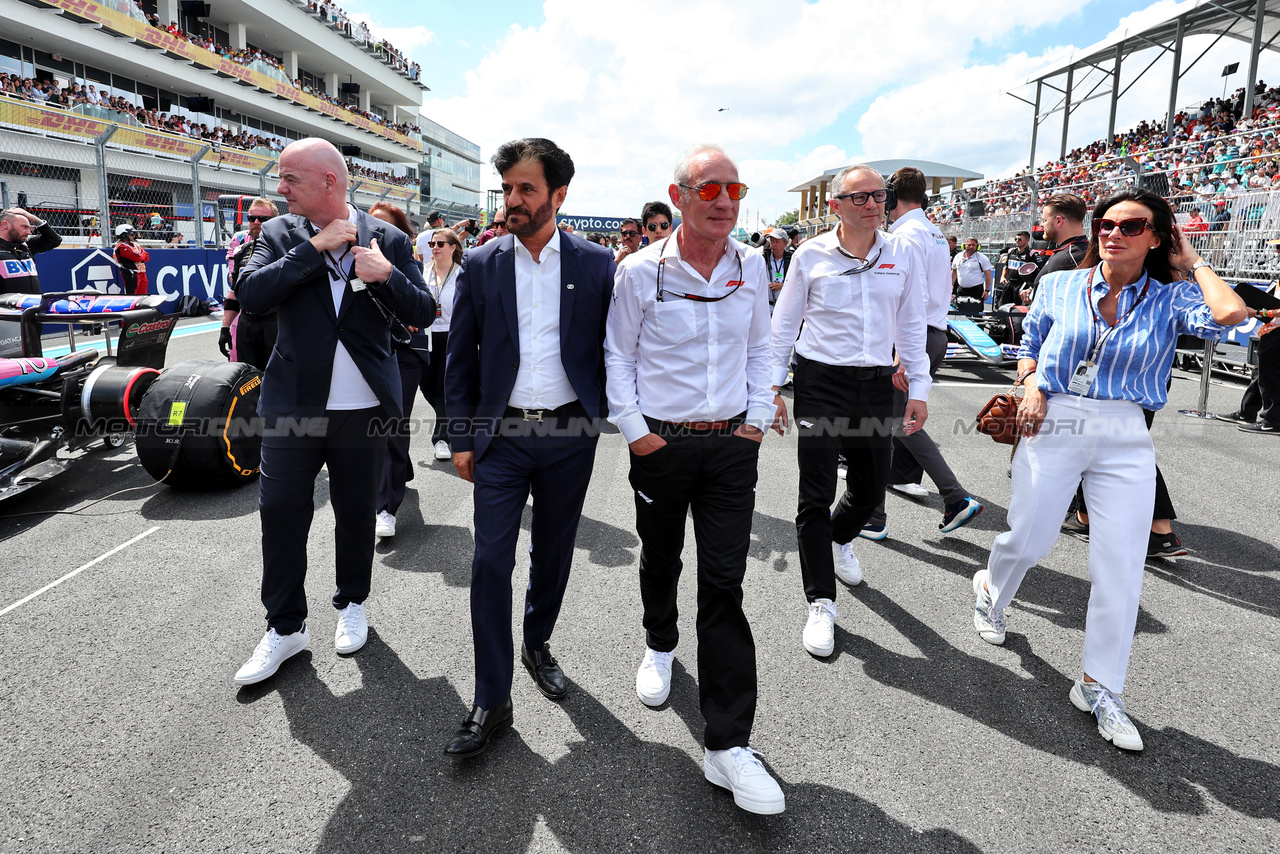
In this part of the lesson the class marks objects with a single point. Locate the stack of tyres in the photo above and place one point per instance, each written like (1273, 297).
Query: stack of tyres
(197, 427)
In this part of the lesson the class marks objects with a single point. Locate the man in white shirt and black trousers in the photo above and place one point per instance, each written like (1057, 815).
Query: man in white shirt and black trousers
(687, 360)
(855, 293)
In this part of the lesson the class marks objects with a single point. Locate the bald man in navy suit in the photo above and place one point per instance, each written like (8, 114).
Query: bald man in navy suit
(524, 393)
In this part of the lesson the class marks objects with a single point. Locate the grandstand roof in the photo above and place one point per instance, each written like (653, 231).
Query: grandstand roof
(946, 174)
(1223, 18)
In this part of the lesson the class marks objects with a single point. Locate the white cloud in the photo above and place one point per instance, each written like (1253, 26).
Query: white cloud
(625, 93)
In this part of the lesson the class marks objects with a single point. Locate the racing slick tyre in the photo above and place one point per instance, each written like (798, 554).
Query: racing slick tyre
(197, 426)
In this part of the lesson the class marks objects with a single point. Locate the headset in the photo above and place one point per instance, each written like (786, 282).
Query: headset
(890, 197)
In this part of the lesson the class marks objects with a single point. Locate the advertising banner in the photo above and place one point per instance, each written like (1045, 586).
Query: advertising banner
(603, 224)
(172, 273)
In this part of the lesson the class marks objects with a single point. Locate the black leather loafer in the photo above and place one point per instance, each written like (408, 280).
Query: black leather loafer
(546, 673)
(476, 731)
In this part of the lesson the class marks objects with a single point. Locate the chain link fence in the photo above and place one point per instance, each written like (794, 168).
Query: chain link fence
(90, 175)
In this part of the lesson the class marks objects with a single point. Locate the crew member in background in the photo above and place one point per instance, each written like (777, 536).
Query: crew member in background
(916, 454)
(1013, 280)
(777, 260)
(971, 273)
(1063, 220)
(17, 267)
(1268, 378)
(245, 337)
(132, 259)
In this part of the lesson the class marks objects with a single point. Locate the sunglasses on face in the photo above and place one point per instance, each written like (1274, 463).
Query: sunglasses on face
(630, 233)
(658, 226)
(256, 218)
(1128, 227)
(500, 223)
(860, 199)
(438, 244)
(709, 191)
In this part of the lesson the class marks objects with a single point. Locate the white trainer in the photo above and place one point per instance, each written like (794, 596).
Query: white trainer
(820, 631)
(270, 653)
(738, 770)
(1113, 724)
(987, 619)
(653, 679)
(848, 569)
(442, 450)
(385, 526)
(914, 490)
(352, 631)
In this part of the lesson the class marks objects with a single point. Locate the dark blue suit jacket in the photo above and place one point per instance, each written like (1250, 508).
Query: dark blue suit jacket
(484, 342)
(288, 274)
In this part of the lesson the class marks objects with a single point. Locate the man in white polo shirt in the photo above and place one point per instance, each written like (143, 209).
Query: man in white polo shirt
(971, 272)
(858, 299)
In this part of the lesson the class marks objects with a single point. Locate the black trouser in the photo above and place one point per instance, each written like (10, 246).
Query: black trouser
(712, 473)
(344, 442)
(397, 468)
(1164, 504)
(433, 385)
(836, 412)
(1269, 377)
(552, 460)
(255, 338)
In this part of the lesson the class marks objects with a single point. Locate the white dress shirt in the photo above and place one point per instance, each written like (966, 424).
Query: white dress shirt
(683, 360)
(347, 386)
(853, 319)
(971, 272)
(445, 295)
(541, 382)
(931, 259)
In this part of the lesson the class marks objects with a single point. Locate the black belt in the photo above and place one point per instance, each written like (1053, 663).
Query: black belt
(573, 407)
(271, 315)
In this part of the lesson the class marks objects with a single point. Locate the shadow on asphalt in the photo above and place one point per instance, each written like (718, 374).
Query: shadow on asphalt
(1168, 774)
(611, 790)
(1226, 565)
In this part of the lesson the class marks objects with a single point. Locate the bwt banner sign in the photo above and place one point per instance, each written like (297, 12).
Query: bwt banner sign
(171, 273)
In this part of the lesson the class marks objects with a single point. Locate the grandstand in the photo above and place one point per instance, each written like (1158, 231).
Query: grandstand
(123, 111)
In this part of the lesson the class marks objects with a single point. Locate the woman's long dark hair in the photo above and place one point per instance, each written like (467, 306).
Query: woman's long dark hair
(1157, 260)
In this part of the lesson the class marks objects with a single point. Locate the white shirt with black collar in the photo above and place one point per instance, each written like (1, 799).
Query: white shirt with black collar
(678, 359)
(541, 382)
(853, 318)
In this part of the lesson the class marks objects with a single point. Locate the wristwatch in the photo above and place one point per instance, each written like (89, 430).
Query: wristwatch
(1191, 274)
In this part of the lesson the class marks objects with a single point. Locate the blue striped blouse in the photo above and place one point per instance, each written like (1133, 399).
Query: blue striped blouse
(1060, 330)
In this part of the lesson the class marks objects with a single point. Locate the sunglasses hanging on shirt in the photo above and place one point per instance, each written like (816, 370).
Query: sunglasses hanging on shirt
(399, 332)
(662, 260)
(864, 266)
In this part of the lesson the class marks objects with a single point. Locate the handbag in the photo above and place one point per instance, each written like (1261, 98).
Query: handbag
(999, 418)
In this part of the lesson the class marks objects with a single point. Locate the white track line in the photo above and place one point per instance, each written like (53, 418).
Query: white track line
(73, 573)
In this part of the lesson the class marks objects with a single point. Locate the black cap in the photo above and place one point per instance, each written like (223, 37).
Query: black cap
(435, 215)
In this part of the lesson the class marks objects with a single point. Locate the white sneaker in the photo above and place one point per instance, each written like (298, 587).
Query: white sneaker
(820, 631)
(352, 631)
(270, 653)
(738, 770)
(442, 450)
(1113, 724)
(848, 569)
(386, 525)
(653, 679)
(986, 618)
(915, 490)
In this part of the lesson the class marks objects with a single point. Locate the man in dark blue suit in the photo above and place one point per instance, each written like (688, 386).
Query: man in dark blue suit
(524, 391)
(335, 277)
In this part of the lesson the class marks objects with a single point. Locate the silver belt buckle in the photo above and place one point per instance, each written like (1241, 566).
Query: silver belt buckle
(532, 415)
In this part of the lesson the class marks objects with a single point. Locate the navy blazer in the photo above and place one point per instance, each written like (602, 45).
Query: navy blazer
(288, 275)
(484, 341)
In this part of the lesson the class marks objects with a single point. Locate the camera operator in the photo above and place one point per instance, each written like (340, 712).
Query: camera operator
(18, 245)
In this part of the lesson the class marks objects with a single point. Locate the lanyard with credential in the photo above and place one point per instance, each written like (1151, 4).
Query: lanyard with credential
(1106, 333)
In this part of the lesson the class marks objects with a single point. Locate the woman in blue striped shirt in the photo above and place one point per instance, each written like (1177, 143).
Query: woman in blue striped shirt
(1097, 349)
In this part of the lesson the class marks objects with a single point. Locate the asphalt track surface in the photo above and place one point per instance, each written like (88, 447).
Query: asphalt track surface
(120, 729)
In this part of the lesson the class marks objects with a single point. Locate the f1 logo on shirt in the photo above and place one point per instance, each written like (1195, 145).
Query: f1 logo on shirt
(885, 267)
(733, 284)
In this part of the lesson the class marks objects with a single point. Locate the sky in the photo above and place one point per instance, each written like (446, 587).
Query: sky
(789, 88)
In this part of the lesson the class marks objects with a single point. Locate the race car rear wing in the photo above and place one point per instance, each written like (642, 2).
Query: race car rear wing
(144, 329)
